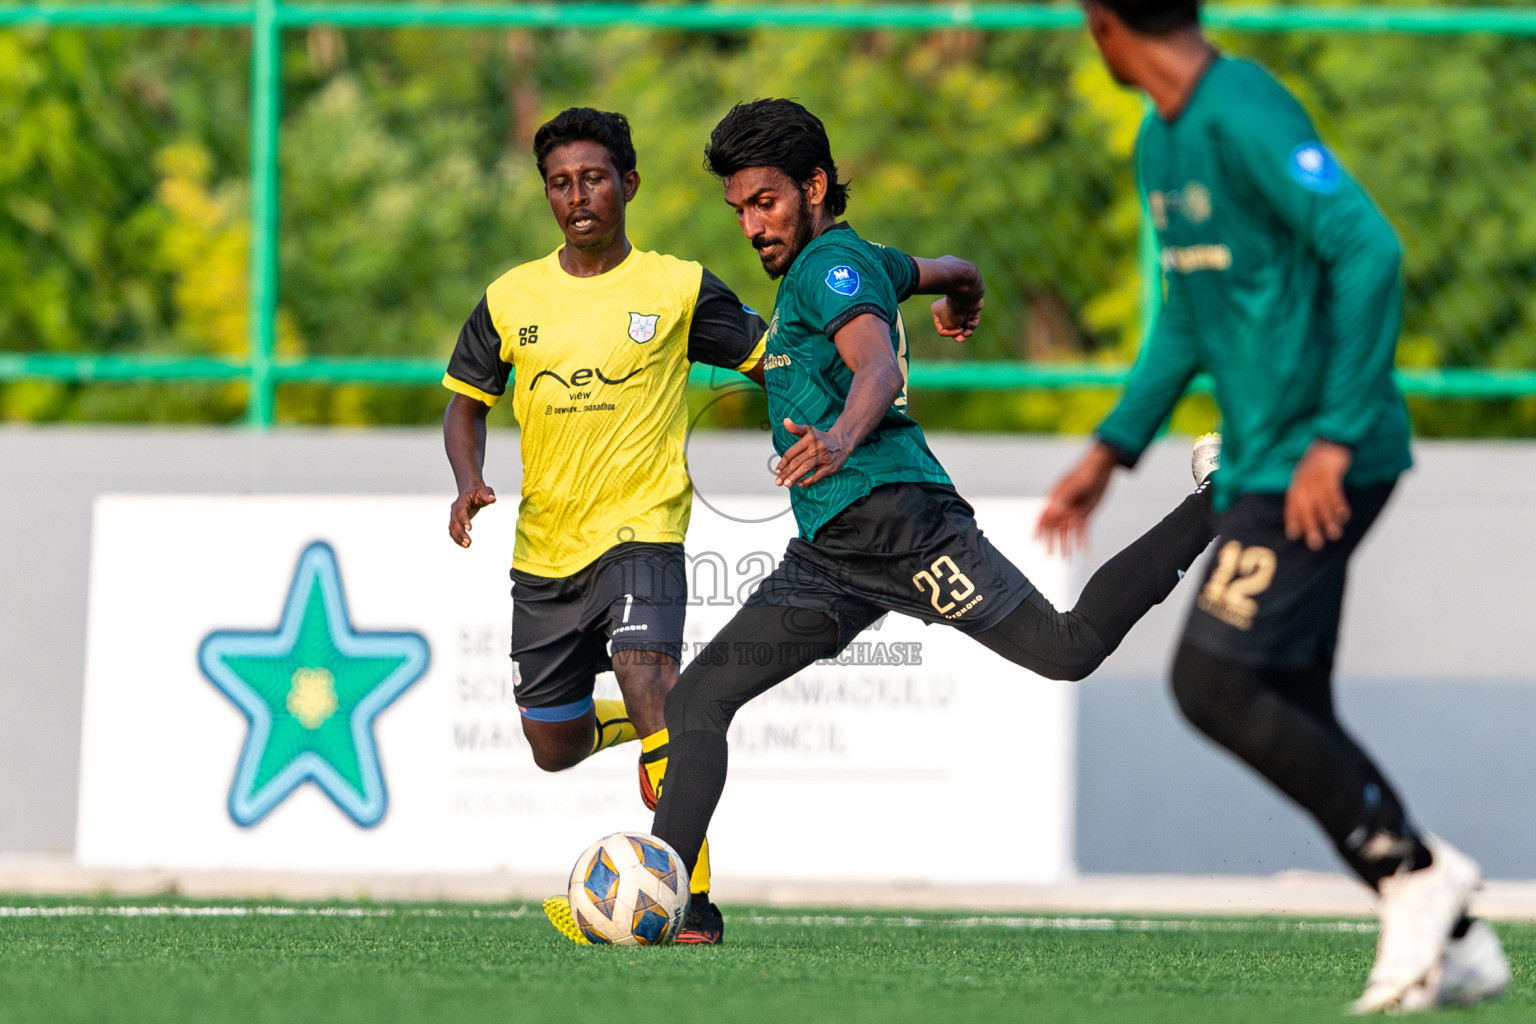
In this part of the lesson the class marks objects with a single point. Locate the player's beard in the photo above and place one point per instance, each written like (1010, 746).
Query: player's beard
(800, 237)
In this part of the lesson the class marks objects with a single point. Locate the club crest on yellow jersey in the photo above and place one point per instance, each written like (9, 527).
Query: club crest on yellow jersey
(642, 326)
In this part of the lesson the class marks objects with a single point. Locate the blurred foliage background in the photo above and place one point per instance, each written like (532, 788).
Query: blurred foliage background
(408, 185)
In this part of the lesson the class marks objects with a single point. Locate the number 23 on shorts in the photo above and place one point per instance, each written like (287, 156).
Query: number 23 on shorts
(944, 569)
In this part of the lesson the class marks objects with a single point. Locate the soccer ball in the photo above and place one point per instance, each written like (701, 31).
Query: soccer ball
(629, 889)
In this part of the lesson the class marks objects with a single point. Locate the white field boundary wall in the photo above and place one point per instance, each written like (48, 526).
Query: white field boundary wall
(826, 771)
(1437, 669)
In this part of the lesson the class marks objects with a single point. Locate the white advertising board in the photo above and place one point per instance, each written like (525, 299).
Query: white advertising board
(322, 684)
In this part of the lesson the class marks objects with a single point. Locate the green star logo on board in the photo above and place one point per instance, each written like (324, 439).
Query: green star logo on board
(311, 691)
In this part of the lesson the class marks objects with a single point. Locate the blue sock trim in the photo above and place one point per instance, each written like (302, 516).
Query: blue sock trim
(560, 712)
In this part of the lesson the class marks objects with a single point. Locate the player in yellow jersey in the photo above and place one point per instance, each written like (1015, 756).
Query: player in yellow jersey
(601, 335)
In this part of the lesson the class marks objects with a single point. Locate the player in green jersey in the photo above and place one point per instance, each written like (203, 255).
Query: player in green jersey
(1282, 282)
(881, 526)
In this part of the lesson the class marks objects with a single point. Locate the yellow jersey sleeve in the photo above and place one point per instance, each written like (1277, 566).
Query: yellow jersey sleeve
(724, 332)
(481, 364)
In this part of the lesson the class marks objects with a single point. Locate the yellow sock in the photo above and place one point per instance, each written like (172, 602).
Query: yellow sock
(699, 880)
(653, 766)
(653, 770)
(613, 725)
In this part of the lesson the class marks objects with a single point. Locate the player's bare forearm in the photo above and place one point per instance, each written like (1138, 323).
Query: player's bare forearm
(949, 275)
(875, 387)
(1064, 521)
(464, 441)
(820, 453)
(865, 346)
(957, 313)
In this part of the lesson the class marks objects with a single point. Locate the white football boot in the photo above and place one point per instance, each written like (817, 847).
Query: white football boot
(1205, 457)
(1474, 969)
(1418, 911)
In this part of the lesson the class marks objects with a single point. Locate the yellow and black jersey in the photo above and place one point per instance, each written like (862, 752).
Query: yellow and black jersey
(602, 365)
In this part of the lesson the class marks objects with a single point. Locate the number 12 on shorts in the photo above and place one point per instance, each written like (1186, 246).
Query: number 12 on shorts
(1240, 576)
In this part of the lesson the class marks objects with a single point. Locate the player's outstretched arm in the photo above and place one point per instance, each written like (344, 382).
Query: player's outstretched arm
(464, 441)
(724, 332)
(1064, 523)
(957, 313)
(865, 346)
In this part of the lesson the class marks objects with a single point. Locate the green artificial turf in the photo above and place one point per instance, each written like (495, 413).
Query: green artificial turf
(408, 963)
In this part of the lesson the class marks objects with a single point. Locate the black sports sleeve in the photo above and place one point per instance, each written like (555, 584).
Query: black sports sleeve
(905, 288)
(724, 332)
(476, 368)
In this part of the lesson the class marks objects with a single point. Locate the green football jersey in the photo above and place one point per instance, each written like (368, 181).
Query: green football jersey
(837, 277)
(1281, 279)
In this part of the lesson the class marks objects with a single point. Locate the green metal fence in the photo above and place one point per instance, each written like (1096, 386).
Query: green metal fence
(266, 20)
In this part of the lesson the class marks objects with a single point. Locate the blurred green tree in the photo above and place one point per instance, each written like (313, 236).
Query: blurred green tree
(407, 185)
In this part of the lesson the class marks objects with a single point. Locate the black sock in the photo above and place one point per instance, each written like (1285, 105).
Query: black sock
(1383, 842)
(695, 779)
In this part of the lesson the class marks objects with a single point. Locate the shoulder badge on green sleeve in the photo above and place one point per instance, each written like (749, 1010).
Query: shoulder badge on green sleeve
(1313, 167)
(844, 280)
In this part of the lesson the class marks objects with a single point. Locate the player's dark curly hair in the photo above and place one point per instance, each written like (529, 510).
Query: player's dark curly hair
(775, 133)
(1154, 17)
(583, 124)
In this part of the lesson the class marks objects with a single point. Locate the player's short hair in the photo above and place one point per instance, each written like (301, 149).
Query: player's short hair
(775, 133)
(583, 124)
(1154, 17)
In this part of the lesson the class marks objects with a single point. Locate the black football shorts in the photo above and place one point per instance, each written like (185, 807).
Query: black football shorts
(905, 547)
(632, 598)
(1271, 602)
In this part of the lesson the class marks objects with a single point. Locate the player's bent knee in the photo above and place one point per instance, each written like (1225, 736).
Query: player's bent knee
(1063, 666)
(686, 712)
(1057, 645)
(1077, 673)
(690, 708)
(1081, 651)
(557, 746)
(557, 760)
(1073, 671)
(558, 755)
(548, 764)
